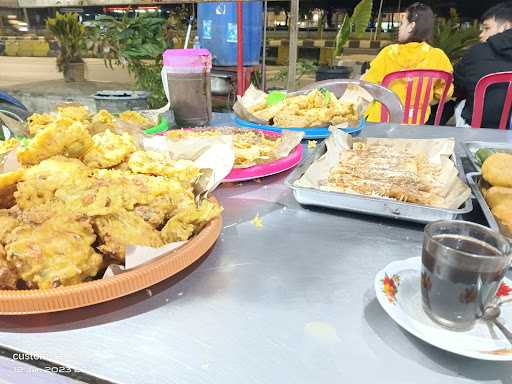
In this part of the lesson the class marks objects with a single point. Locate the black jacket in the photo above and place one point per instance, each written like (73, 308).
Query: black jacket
(493, 56)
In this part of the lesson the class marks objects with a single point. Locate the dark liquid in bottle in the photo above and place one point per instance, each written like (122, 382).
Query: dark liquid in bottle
(191, 99)
(453, 292)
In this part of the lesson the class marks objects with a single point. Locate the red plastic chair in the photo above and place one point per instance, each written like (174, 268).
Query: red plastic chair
(480, 91)
(415, 86)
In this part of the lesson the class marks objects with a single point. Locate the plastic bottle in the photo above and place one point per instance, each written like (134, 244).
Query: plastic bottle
(196, 43)
(187, 84)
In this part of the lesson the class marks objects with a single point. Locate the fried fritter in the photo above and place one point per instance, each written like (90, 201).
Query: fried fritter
(8, 188)
(58, 138)
(38, 122)
(159, 164)
(101, 121)
(251, 147)
(39, 183)
(117, 231)
(109, 150)
(498, 195)
(8, 276)
(75, 112)
(497, 170)
(103, 116)
(503, 212)
(8, 221)
(135, 118)
(154, 198)
(56, 252)
(317, 108)
(189, 220)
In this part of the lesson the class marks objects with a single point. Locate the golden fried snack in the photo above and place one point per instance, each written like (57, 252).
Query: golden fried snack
(267, 113)
(190, 220)
(63, 137)
(251, 147)
(317, 108)
(103, 116)
(497, 170)
(109, 150)
(8, 276)
(38, 122)
(101, 121)
(135, 118)
(75, 112)
(8, 182)
(503, 212)
(39, 183)
(56, 252)
(374, 170)
(119, 230)
(8, 221)
(159, 164)
(498, 195)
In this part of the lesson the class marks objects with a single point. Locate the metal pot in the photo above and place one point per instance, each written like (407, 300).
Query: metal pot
(120, 101)
(221, 84)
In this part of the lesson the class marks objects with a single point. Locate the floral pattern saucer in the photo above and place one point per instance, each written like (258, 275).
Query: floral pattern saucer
(398, 291)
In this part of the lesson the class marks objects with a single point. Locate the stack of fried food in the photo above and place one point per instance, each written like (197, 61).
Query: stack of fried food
(83, 195)
(497, 171)
(380, 171)
(316, 109)
(251, 147)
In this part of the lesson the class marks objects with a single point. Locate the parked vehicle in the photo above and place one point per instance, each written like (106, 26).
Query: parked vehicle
(13, 108)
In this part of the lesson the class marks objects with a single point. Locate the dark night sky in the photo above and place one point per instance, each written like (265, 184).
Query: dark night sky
(467, 8)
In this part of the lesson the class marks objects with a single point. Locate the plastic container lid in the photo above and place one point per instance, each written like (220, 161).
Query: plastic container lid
(191, 59)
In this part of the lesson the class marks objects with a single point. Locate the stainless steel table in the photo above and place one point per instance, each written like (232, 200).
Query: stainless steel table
(292, 302)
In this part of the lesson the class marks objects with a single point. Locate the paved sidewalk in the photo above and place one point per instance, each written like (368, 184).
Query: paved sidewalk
(24, 70)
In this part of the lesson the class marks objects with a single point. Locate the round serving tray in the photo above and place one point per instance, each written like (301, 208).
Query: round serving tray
(266, 169)
(26, 302)
(261, 170)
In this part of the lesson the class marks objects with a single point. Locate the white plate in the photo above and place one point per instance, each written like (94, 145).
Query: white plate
(401, 299)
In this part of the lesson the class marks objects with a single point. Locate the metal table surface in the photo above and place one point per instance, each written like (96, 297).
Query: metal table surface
(290, 302)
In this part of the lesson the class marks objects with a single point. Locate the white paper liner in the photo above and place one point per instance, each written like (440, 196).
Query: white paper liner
(449, 186)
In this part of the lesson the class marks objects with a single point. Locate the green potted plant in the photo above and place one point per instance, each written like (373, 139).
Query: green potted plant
(70, 34)
(138, 44)
(357, 22)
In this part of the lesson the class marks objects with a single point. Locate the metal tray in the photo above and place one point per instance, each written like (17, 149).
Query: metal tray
(369, 205)
(472, 146)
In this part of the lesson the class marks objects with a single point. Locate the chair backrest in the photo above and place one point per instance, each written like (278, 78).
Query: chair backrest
(480, 91)
(390, 101)
(417, 95)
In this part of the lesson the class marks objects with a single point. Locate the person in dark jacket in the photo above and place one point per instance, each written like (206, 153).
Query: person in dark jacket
(493, 54)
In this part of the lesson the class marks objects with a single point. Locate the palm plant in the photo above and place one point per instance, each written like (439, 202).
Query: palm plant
(357, 22)
(70, 34)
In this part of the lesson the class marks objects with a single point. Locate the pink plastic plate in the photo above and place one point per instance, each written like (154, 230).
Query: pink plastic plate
(267, 169)
(262, 170)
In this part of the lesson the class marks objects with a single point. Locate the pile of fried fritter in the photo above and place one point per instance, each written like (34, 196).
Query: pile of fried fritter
(250, 147)
(84, 193)
(497, 171)
(317, 108)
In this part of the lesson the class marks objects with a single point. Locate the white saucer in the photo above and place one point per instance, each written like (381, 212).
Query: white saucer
(401, 299)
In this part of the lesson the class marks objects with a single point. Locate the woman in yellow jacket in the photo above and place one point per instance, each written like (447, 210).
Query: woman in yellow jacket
(412, 52)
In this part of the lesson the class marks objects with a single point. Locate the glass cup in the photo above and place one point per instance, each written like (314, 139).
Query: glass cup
(463, 265)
